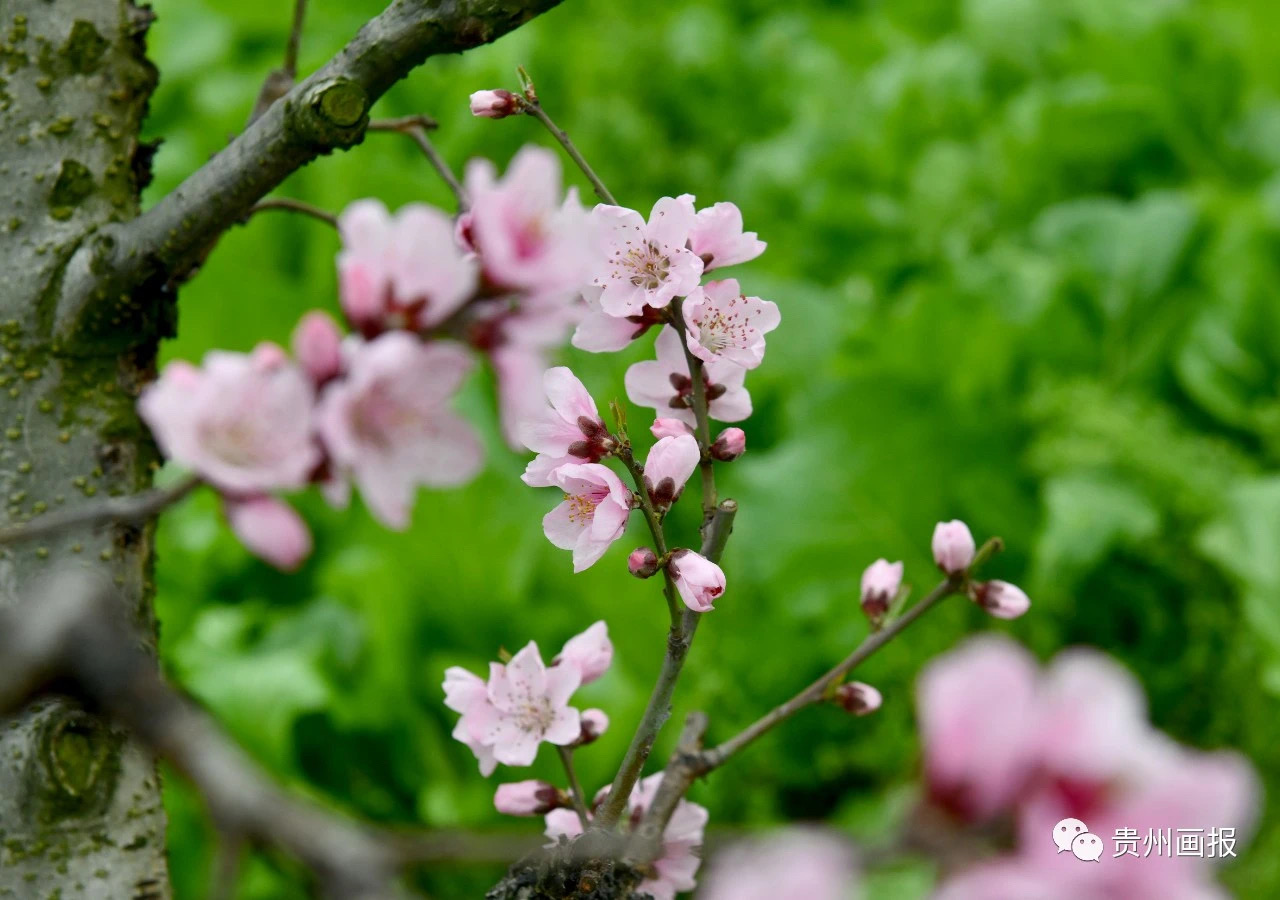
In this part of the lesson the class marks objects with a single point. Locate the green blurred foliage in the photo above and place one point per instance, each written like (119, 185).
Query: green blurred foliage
(1028, 255)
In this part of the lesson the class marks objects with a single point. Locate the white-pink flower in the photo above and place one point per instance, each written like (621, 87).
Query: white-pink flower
(593, 514)
(591, 652)
(599, 332)
(528, 704)
(242, 421)
(402, 271)
(468, 694)
(667, 427)
(568, 430)
(387, 423)
(670, 463)
(798, 863)
(953, 546)
(718, 240)
(1002, 599)
(526, 798)
(317, 345)
(698, 580)
(270, 529)
(725, 324)
(681, 852)
(645, 264)
(529, 237)
(664, 384)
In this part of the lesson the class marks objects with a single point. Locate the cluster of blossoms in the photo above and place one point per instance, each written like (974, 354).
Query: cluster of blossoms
(1007, 743)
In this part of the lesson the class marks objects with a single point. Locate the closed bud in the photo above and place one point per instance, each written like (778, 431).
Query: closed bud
(1002, 599)
(526, 798)
(953, 546)
(857, 698)
(594, 723)
(729, 445)
(317, 343)
(880, 583)
(495, 104)
(642, 563)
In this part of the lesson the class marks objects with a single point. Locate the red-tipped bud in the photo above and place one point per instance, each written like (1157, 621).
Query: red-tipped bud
(495, 104)
(729, 445)
(880, 583)
(953, 546)
(594, 724)
(526, 798)
(857, 698)
(642, 563)
(1002, 599)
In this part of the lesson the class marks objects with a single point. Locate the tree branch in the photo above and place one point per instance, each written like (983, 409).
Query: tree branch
(288, 204)
(415, 128)
(327, 111)
(117, 510)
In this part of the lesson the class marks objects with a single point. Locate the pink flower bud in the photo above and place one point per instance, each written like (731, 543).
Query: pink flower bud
(642, 562)
(494, 104)
(880, 583)
(317, 344)
(698, 580)
(1002, 599)
(526, 798)
(729, 445)
(594, 724)
(669, 428)
(953, 546)
(857, 698)
(270, 529)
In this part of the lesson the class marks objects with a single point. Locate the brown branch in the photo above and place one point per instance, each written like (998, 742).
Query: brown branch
(416, 128)
(279, 81)
(654, 521)
(288, 204)
(117, 510)
(575, 787)
(327, 111)
(535, 109)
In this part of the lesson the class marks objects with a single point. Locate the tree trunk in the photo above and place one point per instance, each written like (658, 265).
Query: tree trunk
(80, 804)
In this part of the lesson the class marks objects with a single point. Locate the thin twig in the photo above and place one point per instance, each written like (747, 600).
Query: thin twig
(118, 510)
(288, 204)
(655, 528)
(575, 787)
(535, 109)
(280, 81)
(290, 66)
(415, 128)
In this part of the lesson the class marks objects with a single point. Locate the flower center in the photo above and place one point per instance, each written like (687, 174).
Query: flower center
(646, 266)
(582, 508)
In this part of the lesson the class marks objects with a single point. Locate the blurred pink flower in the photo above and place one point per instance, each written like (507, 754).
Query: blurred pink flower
(1002, 599)
(242, 421)
(645, 264)
(718, 239)
(317, 345)
(527, 704)
(593, 514)
(526, 798)
(528, 236)
(666, 470)
(595, 722)
(725, 324)
(858, 698)
(388, 426)
(953, 546)
(664, 384)
(270, 529)
(698, 580)
(591, 652)
(400, 272)
(797, 863)
(880, 583)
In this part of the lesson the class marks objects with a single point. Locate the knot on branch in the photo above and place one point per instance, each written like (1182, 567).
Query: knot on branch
(333, 113)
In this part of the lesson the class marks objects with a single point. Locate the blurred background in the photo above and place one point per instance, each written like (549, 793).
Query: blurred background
(1027, 254)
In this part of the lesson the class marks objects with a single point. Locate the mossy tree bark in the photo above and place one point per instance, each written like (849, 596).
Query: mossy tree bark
(86, 293)
(79, 802)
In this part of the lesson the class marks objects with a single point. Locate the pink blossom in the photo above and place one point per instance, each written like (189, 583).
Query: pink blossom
(664, 384)
(718, 239)
(642, 562)
(317, 344)
(403, 271)
(270, 529)
(591, 652)
(496, 104)
(526, 798)
(388, 426)
(680, 855)
(798, 863)
(724, 324)
(528, 237)
(468, 694)
(671, 461)
(593, 514)
(858, 698)
(698, 580)
(669, 428)
(569, 430)
(880, 583)
(1002, 599)
(953, 546)
(600, 332)
(528, 704)
(729, 445)
(517, 371)
(595, 722)
(645, 264)
(242, 422)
